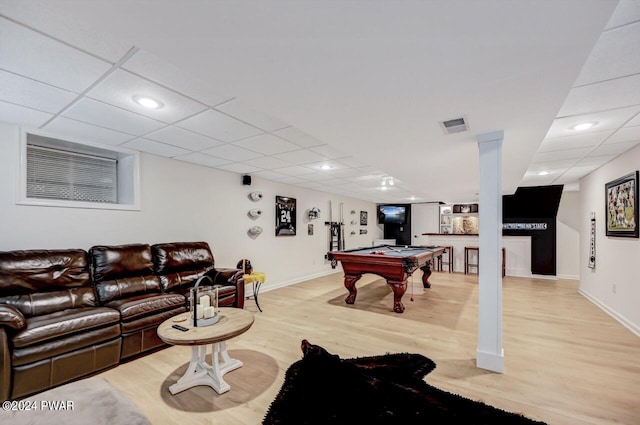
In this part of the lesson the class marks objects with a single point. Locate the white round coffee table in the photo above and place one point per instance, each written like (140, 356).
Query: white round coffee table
(233, 322)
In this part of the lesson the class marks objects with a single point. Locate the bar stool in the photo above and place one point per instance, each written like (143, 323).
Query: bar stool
(467, 264)
(449, 251)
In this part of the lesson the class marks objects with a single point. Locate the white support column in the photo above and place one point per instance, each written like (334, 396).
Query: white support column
(490, 354)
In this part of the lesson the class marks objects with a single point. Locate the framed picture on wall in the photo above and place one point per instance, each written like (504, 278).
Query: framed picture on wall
(621, 203)
(364, 215)
(285, 216)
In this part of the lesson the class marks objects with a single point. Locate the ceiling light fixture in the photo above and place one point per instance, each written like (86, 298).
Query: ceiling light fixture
(148, 102)
(326, 167)
(543, 173)
(583, 126)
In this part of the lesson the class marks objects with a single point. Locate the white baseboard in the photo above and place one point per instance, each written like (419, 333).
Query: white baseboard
(277, 285)
(623, 320)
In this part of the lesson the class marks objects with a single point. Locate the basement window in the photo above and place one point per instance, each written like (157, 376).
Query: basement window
(56, 172)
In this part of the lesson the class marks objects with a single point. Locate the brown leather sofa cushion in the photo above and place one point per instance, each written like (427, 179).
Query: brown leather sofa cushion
(123, 271)
(63, 323)
(133, 308)
(40, 282)
(23, 272)
(115, 262)
(60, 346)
(180, 256)
(181, 263)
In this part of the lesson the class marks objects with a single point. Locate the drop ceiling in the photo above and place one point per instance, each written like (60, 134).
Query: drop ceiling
(282, 90)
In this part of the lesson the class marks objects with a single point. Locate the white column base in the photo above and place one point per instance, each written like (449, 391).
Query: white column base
(200, 372)
(490, 361)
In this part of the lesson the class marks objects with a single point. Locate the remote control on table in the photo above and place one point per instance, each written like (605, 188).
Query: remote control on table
(180, 328)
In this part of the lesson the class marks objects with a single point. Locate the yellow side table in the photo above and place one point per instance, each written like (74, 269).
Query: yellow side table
(255, 279)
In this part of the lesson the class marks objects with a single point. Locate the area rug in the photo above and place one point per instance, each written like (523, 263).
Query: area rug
(323, 389)
(91, 401)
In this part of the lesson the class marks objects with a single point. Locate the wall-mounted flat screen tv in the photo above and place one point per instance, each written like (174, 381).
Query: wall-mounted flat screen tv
(392, 214)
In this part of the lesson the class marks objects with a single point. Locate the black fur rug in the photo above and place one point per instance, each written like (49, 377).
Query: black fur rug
(322, 389)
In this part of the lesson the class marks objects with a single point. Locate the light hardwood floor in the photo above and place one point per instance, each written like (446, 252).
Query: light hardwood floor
(567, 362)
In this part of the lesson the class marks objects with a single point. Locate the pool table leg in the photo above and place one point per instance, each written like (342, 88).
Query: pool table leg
(426, 272)
(350, 283)
(399, 288)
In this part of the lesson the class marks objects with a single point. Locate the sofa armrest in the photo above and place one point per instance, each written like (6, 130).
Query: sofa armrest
(11, 317)
(229, 277)
(5, 366)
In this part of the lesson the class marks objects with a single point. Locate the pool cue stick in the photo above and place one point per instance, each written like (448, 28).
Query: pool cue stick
(342, 226)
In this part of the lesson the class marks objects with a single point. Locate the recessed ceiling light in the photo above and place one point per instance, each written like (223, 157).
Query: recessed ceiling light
(543, 173)
(148, 102)
(583, 126)
(326, 167)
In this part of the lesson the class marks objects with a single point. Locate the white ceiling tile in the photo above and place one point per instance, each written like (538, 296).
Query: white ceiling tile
(627, 11)
(267, 144)
(301, 156)
(244, 113)
(98, 113)
(232, 153)
(329, 152)
(558, 155)
(298, 137)
(267, 163)
(33, 94)
(334, 166)
(625, 134)
(293, 180)
(240, 168)
(575, 141)
(536, 180)
(576, 172)
(219, 126)
(202, 159)
(613, 148)
(162, 72)
(180, 137)
(320, 176)
(156, 148)
(615, 55)
(270, 175)
(41, 15)
(310, 184)
(119, 88)
(618, 93)
(592, 161)
(551, 166)
(294, 170)
(41, 58)
(335, 182)
(635, 122)
(607, 120)
(351, 162)
(87, 132)
(20, 115)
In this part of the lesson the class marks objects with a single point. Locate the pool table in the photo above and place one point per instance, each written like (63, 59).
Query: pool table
(394, 263)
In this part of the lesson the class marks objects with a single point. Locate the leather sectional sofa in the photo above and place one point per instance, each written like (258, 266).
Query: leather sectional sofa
(69, 313)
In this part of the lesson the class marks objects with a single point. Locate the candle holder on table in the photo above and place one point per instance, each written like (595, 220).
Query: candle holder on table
(203, 304)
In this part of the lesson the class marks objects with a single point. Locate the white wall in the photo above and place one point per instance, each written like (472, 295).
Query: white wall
(614, 283)
(185, 202)
(568, 236)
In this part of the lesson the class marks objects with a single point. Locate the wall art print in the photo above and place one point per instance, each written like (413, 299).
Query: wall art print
(621, 198)
(285, 216)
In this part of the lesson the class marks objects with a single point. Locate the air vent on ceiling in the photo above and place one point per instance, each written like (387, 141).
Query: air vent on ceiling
(456, 125)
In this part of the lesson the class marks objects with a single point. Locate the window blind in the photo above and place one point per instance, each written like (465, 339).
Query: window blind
(65, 175)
